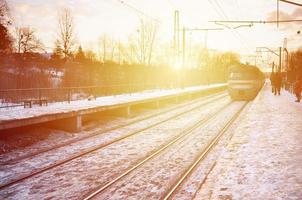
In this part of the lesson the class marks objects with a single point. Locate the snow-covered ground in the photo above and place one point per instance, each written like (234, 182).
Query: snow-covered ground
(264, 157)
(14, 171)
(76, 178)
(11, 150)
(64, 107)
(155, 178)
(259, 158)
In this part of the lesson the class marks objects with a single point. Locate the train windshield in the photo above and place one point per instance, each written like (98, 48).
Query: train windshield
(242, 76)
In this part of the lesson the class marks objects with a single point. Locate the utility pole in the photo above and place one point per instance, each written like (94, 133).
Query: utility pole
(119, 52)
(277, 54)
(206, 39)
(285, 56)
(251, 58)
(280, 59)
(184, 40)
(176, 36)
(196, 29)
(183, 46)
(176, 46)
(183, 56)
(277, 13)
(104, 46)
(142, 42)
(206, 30)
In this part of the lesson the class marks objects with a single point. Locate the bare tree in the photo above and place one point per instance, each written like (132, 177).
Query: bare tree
(4, 13)
(57, 52)
(90, 56)
(80, 55)
(112, 47)
(103, 47)
(26, 41)
(6, 40)
(143, 48)
(134, 49)
(126, 52)
(151, 34)
(66, 32)
(107, 48)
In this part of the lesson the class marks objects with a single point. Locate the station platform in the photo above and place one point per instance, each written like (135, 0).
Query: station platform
(68, 116)
(263, 157)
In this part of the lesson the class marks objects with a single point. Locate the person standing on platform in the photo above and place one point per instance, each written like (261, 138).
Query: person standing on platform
(278, 83)
(298, 89)
(272, 79)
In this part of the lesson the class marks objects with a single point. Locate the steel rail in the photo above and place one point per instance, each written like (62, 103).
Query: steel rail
(98, 147)
(181, 135)
(204, 153)
(98, 132)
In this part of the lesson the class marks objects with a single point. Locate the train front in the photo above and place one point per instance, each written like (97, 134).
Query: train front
(243, 82)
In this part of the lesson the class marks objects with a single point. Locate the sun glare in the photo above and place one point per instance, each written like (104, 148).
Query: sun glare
(168, 84)
(177, 65)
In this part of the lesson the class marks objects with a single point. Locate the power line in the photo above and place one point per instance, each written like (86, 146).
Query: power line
(291, 2)
(239, 37)
(257, 22)
(205, 30)
(278, 14)
(221, 12)
(138, 11)
(240, 26)
(174, 7)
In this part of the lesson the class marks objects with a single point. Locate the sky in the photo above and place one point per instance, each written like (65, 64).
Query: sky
(94, 18)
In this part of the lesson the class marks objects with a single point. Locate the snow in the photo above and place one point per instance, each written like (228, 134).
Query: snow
(194, 181)
(74, 179)
(155, 178)
(259, 158)
(15, 170)
(263, 158)
(64, 107)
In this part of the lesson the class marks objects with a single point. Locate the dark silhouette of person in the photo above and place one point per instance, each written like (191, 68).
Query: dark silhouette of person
(277, 83)
(272, 79)
(298, 89)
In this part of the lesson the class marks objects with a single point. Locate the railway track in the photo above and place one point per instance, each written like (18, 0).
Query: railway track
(99, 132)
(212, 143)
(186, 133)
(98, 147)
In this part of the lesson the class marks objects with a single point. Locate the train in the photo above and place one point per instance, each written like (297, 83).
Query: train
(244, 81)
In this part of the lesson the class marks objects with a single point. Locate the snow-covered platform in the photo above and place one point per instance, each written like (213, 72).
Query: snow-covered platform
(69, 116)
(263, 159)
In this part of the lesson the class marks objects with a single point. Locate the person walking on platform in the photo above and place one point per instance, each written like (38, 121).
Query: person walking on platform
(272, 79)
(298, 89)
(277, 83)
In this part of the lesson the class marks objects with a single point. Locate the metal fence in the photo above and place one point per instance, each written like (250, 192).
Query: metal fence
(16, 97)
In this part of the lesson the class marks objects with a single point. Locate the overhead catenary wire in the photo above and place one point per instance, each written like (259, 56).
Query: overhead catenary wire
(291, 2)
(139, 11)
(256, 21)
(221, 12)
(233, 31)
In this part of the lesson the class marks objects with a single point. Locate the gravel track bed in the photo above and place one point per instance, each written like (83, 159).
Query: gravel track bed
(57, 137)
(11, 172)
(82, 174)
(192, 184)
(154, 178)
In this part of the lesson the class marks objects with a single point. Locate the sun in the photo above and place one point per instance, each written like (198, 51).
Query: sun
(177, 65)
